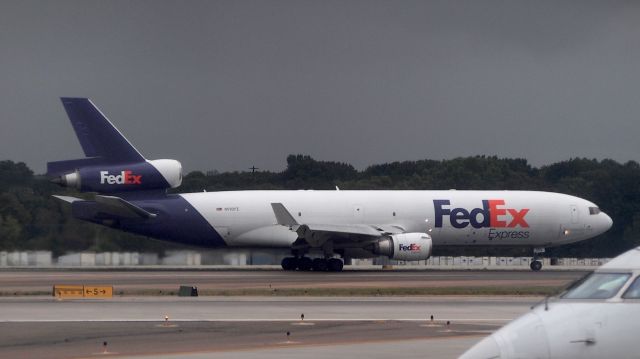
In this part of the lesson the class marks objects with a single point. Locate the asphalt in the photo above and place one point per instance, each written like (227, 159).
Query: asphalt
(240, 340)
(256, 327)
(37, 280)
(468, 309)
(251, 327)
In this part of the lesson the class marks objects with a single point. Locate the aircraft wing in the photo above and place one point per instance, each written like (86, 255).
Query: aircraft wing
(318, 233)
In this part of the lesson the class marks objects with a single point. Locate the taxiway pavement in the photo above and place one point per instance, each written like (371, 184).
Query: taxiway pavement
(251, 327)
(256, 327)
(27, 280)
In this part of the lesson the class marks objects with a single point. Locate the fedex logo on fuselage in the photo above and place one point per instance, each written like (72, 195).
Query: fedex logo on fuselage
(125, 177)
(493, 214)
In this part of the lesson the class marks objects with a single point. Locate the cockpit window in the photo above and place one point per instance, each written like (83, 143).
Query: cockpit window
(594, 210)
(633, 292)
(598, 286)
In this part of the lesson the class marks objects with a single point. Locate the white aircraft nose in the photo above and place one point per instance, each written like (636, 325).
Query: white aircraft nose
(603, 223)
(608, 221)
(525, 337)
(485, 349)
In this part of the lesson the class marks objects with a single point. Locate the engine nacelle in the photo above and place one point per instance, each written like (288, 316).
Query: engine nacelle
(142, 176)
(405, 246)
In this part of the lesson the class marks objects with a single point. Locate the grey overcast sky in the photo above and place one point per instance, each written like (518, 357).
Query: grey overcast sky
(230, 84)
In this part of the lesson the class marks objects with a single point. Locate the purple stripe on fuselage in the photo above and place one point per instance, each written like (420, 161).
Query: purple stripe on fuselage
(176, 221)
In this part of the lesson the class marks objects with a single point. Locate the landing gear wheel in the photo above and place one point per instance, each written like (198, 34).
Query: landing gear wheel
(289, 263)
(305, 264)
(335, 265)
(536, 265)
(320, 265)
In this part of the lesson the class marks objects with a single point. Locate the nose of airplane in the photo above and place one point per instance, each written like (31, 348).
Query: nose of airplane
(606, 222)
(525, 337)
(609, 221)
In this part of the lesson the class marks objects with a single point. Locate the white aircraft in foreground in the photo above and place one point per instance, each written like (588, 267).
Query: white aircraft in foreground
(598, 317)
(403, 225)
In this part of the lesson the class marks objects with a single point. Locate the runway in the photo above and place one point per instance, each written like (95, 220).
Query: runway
(240, 340)
(251, 327)
(255, 327)
(18, 281)
(130, 309)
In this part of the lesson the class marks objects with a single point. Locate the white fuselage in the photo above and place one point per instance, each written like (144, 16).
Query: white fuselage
(539, 219)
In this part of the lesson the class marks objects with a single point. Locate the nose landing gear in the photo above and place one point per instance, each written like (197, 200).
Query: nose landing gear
(536, 264)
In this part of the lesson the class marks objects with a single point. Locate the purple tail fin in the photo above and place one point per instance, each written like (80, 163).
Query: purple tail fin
(101, 142)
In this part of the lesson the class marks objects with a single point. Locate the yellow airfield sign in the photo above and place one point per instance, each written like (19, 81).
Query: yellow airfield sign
(98, 291)
(82, 291)
(68, 291)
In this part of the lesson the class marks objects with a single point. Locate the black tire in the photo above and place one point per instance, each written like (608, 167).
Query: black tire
(289, 263)
(335, 265)
(320, 265)
(305, 264)
(536, 265)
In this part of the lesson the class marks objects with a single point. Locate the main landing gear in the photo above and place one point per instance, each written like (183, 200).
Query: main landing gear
(536, 264)
(316, 264)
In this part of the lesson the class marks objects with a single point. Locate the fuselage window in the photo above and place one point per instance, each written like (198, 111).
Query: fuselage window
(598, 286)
(594, 210)
(633, 292)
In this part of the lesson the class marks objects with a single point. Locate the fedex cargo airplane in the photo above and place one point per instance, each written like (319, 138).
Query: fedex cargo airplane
(130, 195)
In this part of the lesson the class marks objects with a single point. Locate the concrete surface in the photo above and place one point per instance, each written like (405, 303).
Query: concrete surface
(40, 280)
(251, 327)
(256, 327)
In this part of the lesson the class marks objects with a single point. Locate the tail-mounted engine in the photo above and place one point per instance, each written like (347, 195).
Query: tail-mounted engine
(142, 176)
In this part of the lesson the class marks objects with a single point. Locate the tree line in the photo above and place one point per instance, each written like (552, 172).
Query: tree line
(31, 219)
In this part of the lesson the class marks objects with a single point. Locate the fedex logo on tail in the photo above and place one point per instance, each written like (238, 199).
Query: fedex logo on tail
(493, 214)
(125, 177)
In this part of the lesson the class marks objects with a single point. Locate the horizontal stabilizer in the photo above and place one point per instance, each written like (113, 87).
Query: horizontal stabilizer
(110, 207)
(120, 207)
(68, 199)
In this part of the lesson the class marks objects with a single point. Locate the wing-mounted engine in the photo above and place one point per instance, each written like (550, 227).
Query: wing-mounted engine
(405, 246)
(118, 178)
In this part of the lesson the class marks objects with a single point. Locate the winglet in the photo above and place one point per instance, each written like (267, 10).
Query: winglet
(283, 216)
